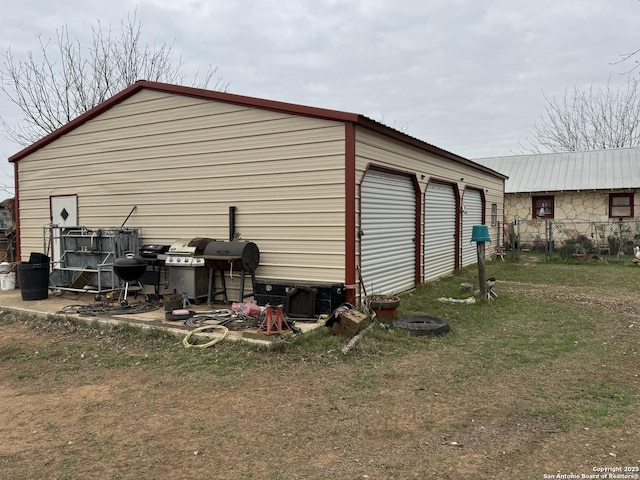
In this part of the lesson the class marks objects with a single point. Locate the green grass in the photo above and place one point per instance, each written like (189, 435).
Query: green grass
(509, 333)
(539, 355)
(598, 405)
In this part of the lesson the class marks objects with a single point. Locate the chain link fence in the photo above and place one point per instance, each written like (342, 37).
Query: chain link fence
(572, 239)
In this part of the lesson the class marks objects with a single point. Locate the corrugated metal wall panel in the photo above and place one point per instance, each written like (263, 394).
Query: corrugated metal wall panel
(309, 184)
(375, 149)
(472, 200)
(181, 144)
(439, 231)
(233, 127)
(388, 228)
(284, 174)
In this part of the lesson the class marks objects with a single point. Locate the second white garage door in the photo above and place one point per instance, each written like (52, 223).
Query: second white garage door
(472, 200)
(439, 230)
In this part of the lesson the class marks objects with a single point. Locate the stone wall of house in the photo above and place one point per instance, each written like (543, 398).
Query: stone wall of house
(582, 206)
(575, 214)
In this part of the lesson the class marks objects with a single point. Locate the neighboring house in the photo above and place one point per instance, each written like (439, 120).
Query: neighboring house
(7, 247)
(327, 196)
(595, 187)
(6, 220)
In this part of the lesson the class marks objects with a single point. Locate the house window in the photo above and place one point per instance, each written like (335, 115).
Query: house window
(621, 205)
(494, 214)
(543, 207)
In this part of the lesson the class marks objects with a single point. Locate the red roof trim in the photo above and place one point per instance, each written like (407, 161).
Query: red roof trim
(191, 92)
(250, 102)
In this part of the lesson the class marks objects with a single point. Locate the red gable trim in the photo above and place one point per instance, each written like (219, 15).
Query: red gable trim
(191, 92)
(251, 101)
(272, 105)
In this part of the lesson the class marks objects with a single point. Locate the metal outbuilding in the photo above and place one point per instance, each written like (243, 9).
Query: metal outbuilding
(328, 196)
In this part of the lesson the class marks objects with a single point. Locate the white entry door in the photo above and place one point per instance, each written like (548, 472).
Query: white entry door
(64, 213)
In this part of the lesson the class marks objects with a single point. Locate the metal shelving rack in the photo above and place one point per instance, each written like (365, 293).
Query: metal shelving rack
(83, 257)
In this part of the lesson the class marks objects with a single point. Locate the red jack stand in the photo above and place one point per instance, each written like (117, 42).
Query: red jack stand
(271, 325)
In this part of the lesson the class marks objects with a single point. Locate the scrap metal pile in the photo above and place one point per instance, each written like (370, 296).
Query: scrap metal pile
(241, 316)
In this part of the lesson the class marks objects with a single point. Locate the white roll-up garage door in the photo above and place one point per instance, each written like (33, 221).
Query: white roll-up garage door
(388, 230)
(439, 230)
(472, 201)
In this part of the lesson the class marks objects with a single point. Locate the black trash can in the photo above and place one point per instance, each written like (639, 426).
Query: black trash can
(33, 277)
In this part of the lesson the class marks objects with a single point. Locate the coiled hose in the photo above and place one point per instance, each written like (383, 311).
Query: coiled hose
(186, 343)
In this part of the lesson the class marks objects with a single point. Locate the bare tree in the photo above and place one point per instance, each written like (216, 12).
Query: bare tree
(65, 78)
(625, 57)
(590, 119)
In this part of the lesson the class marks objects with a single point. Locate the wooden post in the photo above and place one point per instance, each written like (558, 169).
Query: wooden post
(481, 271)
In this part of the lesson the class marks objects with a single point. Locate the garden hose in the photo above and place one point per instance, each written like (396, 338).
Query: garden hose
(185, 340)
(99, 309)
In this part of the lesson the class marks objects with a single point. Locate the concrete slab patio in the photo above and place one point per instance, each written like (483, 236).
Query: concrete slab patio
(66, 303)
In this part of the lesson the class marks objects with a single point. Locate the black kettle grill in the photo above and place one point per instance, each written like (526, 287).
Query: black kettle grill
(129, 268)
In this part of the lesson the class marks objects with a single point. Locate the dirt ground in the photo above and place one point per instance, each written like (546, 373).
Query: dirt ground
(403, 419)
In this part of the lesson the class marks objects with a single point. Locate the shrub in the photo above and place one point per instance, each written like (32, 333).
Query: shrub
(579, 244)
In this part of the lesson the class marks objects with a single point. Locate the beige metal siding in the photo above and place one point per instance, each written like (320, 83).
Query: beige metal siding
(183, 161)
(374, 148)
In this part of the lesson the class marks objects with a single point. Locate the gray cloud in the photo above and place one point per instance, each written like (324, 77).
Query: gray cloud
(467, 76)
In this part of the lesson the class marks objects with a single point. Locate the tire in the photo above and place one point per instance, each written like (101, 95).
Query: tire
(422, 325)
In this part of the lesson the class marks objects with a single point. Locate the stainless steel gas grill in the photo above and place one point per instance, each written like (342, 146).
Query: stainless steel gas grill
(188, 274)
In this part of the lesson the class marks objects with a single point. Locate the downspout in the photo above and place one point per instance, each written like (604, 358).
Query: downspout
(483, 197)
(418, 232)
(232, 223)
(16, 211)
(458, 233)
(350, 213)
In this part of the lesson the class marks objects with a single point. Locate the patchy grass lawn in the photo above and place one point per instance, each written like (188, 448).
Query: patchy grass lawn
(542, 380)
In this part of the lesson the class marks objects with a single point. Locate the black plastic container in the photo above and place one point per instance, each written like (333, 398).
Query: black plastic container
(33, 277)
(327, 296)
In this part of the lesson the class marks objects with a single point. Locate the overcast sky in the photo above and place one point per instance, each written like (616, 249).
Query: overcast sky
(465, 75)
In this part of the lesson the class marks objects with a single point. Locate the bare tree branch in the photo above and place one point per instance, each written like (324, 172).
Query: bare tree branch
(591, 119)
(60, 82)
(626, 56)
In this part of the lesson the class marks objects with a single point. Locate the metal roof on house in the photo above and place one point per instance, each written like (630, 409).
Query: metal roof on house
(569, 171)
